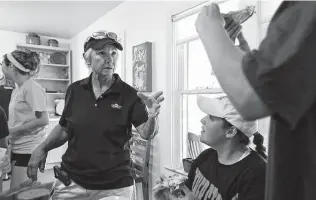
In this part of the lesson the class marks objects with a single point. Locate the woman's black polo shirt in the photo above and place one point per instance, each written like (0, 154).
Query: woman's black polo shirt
(98, 155)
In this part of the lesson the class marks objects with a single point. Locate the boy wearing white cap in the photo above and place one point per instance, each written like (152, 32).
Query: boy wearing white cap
(230, 170)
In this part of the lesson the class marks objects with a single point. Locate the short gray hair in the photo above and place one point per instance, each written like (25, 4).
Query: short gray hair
(87, 56)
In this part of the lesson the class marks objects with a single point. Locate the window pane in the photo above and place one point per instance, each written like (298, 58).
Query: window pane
(186, 27)
(268, 8)
(199, 68)
(230, 5)
(264, 29)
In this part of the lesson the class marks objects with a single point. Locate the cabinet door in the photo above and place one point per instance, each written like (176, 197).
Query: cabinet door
(54, 156)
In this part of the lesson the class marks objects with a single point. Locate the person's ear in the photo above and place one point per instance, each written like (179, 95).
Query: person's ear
(11, 66)
(14, 69)
(232, 131)
(87, 56)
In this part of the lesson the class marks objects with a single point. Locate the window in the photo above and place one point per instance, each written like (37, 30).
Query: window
(192, 76)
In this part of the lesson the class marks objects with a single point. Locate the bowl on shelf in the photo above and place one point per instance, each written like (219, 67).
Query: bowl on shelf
(33, 38)
(52, 43)
(187, 162)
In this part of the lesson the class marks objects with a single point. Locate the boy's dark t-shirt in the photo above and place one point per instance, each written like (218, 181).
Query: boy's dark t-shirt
(245, 180)
(4, 130)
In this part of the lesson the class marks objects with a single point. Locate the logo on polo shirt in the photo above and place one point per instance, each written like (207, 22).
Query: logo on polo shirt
(116, 106)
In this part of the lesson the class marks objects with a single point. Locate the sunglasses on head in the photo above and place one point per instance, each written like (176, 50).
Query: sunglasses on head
(101, 35)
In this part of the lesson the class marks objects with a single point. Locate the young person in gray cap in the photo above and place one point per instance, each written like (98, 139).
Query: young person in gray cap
(97, 121)
(229, 170)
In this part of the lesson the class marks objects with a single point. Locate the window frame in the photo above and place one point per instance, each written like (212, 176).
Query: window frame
(177, 75)
(178, 139)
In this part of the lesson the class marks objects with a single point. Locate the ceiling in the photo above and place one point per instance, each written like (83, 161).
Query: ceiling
(61, 19)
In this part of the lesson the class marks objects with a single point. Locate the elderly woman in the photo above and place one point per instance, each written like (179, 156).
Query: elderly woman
(28, 115)
(97, 121)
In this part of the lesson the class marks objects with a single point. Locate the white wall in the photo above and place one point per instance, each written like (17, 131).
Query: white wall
(140, 22)
(9, 39)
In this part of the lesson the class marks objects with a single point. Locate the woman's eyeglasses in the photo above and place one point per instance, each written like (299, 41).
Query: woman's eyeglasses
(101, 35)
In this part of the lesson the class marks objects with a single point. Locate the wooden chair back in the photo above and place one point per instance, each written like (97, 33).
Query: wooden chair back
(140, 156)
(194, 145)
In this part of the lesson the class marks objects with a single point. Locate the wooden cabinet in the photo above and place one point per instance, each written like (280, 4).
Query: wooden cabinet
(54, 76)
(55, 71)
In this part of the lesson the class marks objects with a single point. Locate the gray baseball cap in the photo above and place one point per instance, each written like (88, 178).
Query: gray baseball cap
(223, 108)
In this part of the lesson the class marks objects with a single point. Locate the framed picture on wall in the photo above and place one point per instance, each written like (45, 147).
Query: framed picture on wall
(142, 67)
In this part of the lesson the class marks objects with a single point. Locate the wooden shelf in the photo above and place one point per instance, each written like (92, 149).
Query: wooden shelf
(42, 47)
(51, 79)
(54, 65)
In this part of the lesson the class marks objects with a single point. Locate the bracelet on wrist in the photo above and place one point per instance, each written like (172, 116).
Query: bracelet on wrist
(153, 115)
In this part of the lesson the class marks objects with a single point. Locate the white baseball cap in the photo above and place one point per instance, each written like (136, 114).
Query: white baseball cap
(222, 108)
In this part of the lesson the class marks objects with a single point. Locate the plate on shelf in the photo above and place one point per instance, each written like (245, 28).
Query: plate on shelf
(58, 58)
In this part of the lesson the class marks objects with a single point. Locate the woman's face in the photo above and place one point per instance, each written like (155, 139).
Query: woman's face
(213, 131)
(104, 61)
(7, 70)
